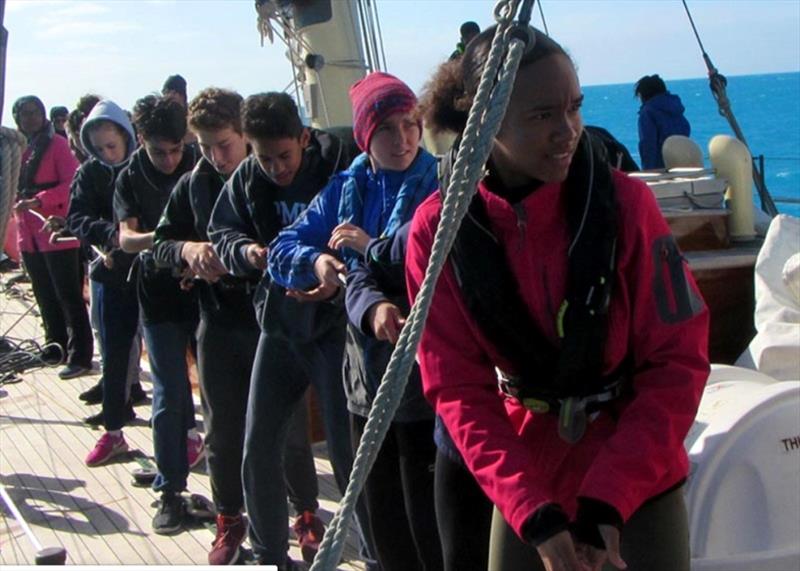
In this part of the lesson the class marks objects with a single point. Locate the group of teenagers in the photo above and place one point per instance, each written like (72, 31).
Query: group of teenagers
(560, 368)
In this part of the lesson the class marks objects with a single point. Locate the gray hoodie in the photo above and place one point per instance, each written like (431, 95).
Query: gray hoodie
(107, 110)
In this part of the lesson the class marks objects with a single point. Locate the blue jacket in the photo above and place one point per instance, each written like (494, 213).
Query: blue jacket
(660, 117)
(380, 203)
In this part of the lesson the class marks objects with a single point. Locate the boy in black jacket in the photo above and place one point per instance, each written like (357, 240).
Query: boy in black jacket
(228, 331)
(300, 342)
(168, 313)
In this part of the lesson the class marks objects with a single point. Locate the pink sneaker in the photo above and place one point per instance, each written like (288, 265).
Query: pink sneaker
(106, 448)
(195, 450)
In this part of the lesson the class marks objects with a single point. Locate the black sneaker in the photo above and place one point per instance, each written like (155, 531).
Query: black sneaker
(97, 419)
(170, 514)
(138, 396)
(73, 371)
(93, 395)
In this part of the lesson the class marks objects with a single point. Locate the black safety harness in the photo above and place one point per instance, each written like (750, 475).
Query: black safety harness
(563, 380)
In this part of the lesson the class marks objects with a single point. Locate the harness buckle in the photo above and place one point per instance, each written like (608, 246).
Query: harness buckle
(572, 419)
(573, 411)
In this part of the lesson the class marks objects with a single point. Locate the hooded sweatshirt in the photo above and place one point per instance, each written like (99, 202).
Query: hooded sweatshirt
(91, 213)
(659, 117)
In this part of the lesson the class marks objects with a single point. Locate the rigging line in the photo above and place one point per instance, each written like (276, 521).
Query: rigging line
(364, 38)
(694, 28)
(372, 34)
(371, 29)
(544, 22)
(718, 84)
(322, 98)
(380, 35)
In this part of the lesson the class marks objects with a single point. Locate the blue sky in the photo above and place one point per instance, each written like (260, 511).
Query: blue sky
(125, 49)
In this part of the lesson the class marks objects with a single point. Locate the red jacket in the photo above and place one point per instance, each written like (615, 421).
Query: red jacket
(517, 456)
(57, 166)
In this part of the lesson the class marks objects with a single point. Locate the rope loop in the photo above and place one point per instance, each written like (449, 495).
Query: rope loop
(504, 11)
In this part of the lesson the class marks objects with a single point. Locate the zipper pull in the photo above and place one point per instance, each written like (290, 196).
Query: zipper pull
(522, 221)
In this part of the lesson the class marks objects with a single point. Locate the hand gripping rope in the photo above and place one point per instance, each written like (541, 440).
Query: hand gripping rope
(485, 117)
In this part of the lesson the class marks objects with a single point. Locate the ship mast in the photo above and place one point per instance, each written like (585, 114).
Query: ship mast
(332, 44)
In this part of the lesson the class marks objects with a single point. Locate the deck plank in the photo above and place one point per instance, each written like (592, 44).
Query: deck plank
(95, 513)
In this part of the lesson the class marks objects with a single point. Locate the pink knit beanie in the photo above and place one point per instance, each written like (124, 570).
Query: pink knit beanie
(375, 98)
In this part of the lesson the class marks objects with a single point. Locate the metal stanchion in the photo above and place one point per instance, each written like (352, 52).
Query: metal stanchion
(44, 555)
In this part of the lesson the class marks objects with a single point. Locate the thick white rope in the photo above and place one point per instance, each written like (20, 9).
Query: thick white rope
(485, 118)
(12, 145)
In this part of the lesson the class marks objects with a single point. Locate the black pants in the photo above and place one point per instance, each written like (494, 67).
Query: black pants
(655, 538)
(224, 360)
(464, 515)
(399, 496)
(57, 280)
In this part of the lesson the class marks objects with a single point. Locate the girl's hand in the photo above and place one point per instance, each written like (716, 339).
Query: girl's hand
(386, 321)
(558, 554)
(29, 204)
(595, 558)
(54, 224)
(348, 235)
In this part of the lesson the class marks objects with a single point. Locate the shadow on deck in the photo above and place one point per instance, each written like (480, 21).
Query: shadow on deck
(96, 514)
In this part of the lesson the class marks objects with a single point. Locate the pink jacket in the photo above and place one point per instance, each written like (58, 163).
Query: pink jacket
(517, 456)
(57, 166)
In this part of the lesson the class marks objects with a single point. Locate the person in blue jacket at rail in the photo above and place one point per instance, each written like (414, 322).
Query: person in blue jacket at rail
(660, 117)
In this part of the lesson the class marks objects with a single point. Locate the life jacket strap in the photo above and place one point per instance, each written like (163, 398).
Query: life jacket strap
(572, 410)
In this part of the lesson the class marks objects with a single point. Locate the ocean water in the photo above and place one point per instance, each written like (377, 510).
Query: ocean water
(766, 106)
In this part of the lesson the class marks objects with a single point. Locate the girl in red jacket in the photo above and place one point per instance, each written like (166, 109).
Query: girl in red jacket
(565, 348)
(54, 267)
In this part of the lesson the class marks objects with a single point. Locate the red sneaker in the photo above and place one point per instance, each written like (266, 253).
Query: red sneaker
(231, 531)
(309, 530)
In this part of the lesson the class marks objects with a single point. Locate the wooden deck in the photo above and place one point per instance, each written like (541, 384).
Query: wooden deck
(94, 513)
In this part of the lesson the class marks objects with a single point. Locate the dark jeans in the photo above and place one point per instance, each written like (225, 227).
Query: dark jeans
(118, 311)
(399, 497)
(173, 408)
(655, 538)
(57, 280)
(464, 515)
(282, 372)
(225, 361)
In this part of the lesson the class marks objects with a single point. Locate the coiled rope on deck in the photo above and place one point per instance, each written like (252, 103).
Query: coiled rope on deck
(12, 144)
(485, 118)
